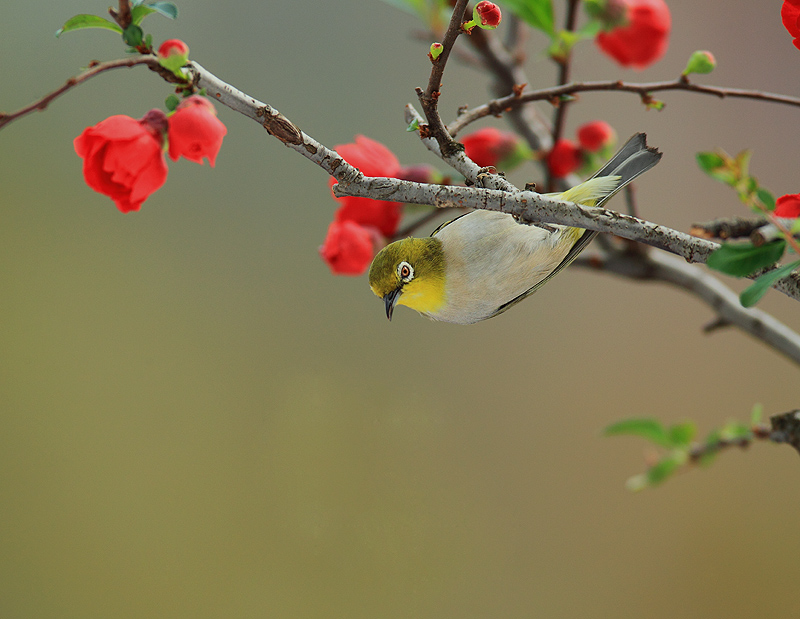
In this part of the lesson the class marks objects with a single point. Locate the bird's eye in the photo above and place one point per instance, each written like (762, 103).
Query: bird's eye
(405, 272)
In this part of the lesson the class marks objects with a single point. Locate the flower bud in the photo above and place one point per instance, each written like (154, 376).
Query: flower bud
(173, 54)
(485, 15)
(596, 135)
(195, 131)
(436, 50)
(700, 62)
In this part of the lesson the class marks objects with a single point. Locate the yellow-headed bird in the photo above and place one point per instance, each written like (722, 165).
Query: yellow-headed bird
(480, 264)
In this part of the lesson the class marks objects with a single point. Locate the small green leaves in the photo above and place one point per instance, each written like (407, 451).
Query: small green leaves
(536, 13)
(678, 439)
(413, 125)
(133, 35)
(743, 259)
(436, 50)
(172, 102)
(650, 429)
(753, 293)
(700, 62)
(80, 22)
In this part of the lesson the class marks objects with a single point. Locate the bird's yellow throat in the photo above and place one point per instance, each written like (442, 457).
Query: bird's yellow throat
(425, 291)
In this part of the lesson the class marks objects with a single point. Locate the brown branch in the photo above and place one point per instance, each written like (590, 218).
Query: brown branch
(728, 227)
(429, 99)
(96, 68)
(564, 69)
(123, 15)
(786, 428)
(508, 103)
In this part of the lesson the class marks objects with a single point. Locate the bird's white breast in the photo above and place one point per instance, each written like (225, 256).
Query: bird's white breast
(491, 259)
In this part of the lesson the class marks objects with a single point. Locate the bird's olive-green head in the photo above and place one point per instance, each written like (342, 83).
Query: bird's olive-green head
(410, 272)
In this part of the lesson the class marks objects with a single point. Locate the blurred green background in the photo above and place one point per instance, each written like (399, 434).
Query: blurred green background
(198, 420)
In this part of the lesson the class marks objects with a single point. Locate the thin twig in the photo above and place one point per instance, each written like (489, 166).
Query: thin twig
(564, 69)
(497, 107)
(94, 69)
(429, 98)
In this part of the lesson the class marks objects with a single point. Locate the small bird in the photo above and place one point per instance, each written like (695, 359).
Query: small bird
(484, 262)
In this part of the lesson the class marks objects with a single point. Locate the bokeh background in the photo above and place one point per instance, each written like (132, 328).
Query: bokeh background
(198, 420)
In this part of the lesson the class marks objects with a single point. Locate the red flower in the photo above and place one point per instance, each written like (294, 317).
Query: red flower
(788, 206)
(489, 146)
(564, 159)
(123, 158)
(489, 13)
(642, 39)
(596, 135)
(373, 159)
(790, 14)
(349, 248)
(195, 131)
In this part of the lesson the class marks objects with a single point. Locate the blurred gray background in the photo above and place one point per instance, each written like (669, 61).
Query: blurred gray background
(198, 420)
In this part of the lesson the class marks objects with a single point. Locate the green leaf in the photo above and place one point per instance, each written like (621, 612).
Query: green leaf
(717, 167)
(167, 9)
(536, 13)
(742, 259)
(431, 12)
(140, 12)
(795, 227)
(133, 35)
(87, 21)
(734, 431)
(172, 102)
(766, 198)
(756, 414)
(649, 429)
(682, 434)
(753, 293)
(665, 467)
(413, 125)
(708, 162)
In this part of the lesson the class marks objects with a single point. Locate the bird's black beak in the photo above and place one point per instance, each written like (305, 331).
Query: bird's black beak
(390, 299)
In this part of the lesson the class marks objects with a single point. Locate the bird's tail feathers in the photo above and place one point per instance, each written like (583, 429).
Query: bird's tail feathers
(592, 190)
(633, 159)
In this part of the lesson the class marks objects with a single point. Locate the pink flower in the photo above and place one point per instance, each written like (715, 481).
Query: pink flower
(643, 37)
(489, 146)
(373, 159)
(596, 135)
(349, 247)
(564, 159)
(788, 206)
(195, 131)
(123, 158)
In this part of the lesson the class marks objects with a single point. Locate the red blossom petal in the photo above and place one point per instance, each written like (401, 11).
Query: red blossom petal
(593, 136)
(489, 146)
(195, 131)
(373, 159)
(644, 37)
(564, 159)
(788, 206)
(122, 159)
(348, 248)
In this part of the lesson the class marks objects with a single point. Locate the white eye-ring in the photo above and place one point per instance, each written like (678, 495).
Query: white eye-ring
(405, 272)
